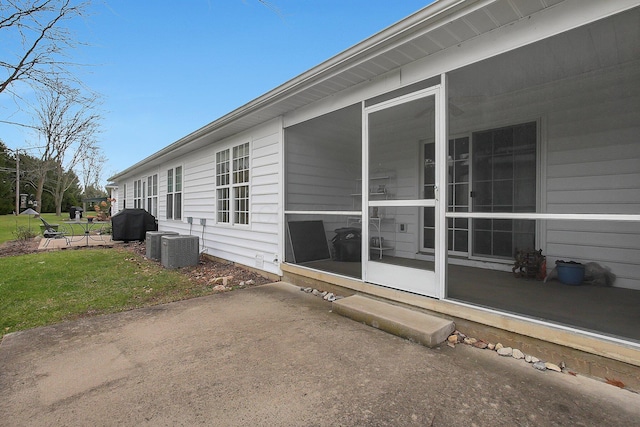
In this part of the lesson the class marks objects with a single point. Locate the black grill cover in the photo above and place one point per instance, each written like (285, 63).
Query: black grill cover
(132, 224)
(346, 244)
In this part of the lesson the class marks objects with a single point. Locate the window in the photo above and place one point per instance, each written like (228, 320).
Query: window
(152, 195)
(232, 185)
(504, 180)
(124, 197)
(457, 195)
(222, 185)
(241, 184)
(174, 193)
(138, 194)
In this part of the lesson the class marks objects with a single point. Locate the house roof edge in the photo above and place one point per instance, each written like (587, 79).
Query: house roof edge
(434, 11)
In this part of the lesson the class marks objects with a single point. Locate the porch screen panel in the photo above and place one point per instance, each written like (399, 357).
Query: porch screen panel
(323, 181)
(402, 164)
(323, 162)
(577, 95)
(395, 135)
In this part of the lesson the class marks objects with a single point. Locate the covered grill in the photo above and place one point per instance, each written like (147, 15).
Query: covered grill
(132, 224)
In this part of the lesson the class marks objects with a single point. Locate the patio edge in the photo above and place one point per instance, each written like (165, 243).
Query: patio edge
(586, 355)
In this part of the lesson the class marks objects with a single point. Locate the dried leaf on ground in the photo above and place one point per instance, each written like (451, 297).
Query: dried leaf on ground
(203, 273)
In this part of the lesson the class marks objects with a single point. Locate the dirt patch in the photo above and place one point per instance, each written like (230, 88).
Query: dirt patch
(19, 247)
(212, 273)
(207, 272)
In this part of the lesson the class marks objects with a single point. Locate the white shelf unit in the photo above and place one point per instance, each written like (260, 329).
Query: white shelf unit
(377, 225)
(378, 186)
(378, 189)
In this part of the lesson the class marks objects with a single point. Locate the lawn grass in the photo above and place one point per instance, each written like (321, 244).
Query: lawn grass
(45, 288)
(9, 224)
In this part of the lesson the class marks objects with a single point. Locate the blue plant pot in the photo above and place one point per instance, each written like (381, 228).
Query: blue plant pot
(570, 273)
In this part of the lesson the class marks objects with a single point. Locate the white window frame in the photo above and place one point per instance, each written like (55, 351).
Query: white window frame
(175, 181)
(138, 194)
(233, 180)
(152, 194)
(223, 190)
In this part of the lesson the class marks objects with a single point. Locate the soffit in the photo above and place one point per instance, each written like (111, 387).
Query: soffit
(412, 45)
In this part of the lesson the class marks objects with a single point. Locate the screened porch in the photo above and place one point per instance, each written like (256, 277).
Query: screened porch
(540, 153)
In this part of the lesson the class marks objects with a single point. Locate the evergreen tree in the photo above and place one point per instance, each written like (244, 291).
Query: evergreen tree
(7, 180)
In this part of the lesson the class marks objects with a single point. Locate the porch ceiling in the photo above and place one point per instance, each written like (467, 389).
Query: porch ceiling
(436, 27)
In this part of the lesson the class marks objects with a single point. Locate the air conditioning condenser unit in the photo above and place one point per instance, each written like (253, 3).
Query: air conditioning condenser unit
(152, 242)
(179, 251)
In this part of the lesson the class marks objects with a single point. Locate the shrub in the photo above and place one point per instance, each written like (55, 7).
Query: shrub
(23, 233)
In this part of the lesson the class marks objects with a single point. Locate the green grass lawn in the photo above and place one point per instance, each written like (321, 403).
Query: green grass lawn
(9, 224)
(49, 287)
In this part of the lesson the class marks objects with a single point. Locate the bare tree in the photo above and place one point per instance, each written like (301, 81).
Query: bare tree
(35, 31)
(90, 169)
(67, 125)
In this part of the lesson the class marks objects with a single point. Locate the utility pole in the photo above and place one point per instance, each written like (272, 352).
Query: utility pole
(17, 181)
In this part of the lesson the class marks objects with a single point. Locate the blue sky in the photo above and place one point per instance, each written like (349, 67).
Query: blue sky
(167, 68)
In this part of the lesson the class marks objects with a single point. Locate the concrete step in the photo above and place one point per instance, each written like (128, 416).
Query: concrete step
(411, 324)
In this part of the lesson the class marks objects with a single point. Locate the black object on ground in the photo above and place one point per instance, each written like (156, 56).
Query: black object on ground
(347, 244)
(73, 210)
(132, 224)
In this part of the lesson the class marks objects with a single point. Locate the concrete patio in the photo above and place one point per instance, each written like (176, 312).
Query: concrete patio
(273, 355)
(77, 241)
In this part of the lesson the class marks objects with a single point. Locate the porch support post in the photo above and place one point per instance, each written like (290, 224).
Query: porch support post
(365, 192)
(441, 182)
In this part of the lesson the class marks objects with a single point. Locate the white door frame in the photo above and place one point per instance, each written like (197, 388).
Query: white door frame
(424, 282)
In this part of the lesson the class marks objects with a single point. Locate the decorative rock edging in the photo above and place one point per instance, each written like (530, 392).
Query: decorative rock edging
(327, 296)
(221, 284)
(458, 337)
